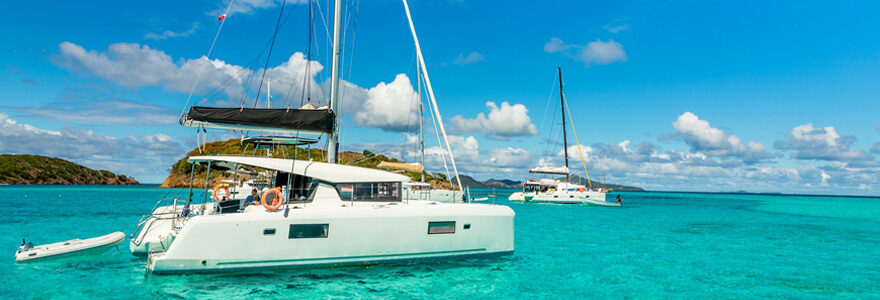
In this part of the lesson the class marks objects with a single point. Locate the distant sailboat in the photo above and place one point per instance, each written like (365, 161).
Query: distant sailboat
(556, 191)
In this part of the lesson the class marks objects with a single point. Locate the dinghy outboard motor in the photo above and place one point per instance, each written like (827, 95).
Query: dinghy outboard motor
(25, 246)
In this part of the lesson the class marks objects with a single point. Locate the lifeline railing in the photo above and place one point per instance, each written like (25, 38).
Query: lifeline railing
(139, 232)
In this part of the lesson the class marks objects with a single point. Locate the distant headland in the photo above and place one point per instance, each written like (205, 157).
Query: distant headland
(27, 169)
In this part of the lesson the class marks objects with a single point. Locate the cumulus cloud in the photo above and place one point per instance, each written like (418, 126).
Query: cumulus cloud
(501, 123)
(702, 137)
(392, 106)
(138, 156)
(510, 157)
(876, 148)
(171, 34)
(471, 58)
(555, 45)
(389, 106)
(595, 52)
(823, 143)
(134, 65)
(122, 112)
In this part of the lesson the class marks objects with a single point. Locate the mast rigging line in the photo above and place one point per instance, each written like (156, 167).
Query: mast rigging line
(431, 92)
(207, 56)
(269, 56)
(581, 152)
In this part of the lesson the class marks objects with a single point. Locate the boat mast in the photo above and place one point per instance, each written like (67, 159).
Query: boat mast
(564, 137)
(421, 123)
(332, 138)
(430, 90)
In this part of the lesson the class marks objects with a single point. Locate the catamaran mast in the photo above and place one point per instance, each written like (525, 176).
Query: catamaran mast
(564, 137)
(421, 123)
(332, 138)
(430, 90)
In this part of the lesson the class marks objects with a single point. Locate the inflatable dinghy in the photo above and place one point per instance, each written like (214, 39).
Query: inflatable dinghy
(96, 245)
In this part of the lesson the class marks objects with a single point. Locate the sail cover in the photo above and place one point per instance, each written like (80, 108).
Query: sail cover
(550, 170)
(307, 120)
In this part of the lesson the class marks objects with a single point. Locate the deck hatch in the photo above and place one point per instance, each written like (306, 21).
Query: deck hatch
(308, 231)
(441, 227)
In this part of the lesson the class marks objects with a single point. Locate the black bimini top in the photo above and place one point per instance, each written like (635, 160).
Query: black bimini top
(317, 120)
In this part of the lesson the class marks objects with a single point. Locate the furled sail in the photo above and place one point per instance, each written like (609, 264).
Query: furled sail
(550, 170)
(314, 121)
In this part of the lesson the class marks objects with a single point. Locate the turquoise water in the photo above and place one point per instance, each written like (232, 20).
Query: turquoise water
(658, 245)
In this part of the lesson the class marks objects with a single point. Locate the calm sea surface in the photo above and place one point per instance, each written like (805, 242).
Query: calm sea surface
(658, 245)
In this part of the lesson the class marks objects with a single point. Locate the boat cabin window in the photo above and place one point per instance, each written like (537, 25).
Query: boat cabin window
(441, 227)
(419, 188)
(369, 191)
(301, 187)
(308, 231)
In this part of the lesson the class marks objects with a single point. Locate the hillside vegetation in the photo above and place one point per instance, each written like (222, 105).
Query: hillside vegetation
(179, 174)
(36, 169)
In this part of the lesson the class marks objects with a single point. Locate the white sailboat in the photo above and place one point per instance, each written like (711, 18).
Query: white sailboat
(555, 191)
(350, 215)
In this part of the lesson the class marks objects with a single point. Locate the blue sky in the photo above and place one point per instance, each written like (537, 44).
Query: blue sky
(681, 95)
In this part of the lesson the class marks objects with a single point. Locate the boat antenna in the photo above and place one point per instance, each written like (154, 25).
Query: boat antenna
(564, 137)
(332, 138)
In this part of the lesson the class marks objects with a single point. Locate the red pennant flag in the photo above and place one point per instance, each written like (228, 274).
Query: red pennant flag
(221, 17)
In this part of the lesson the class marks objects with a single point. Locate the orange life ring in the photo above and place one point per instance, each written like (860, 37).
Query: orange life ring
(276, 201)
(216, 191)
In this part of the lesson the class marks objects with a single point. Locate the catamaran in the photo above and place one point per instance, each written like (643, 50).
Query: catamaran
(556, 191)
(348, 215)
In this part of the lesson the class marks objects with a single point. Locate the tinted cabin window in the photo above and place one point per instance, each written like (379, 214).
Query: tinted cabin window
(441, 227)
(308, 231)
(369, 191)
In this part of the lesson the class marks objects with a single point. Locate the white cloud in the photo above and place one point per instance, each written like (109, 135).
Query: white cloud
(603, 53)
(555, 45)
(392, 106)
(510, 157)
(876, 148)
(820, 144)
(171, 34)
(145, 156)
(247, 6)
(595, 52)
(502, 122)
(134, 65)
(102, 112)
(471, 58)
(702, 137)
(616, 28)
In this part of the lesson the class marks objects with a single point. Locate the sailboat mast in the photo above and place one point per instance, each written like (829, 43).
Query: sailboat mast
(332, 138)
(564, 135)
(421, 123)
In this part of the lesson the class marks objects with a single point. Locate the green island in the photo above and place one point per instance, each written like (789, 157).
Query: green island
(24, 169)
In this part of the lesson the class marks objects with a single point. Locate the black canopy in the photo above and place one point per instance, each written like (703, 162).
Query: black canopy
(320, 120)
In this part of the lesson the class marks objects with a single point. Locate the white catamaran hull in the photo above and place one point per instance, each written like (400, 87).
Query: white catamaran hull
(572, 197)
(158, 232)
(366, 233)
